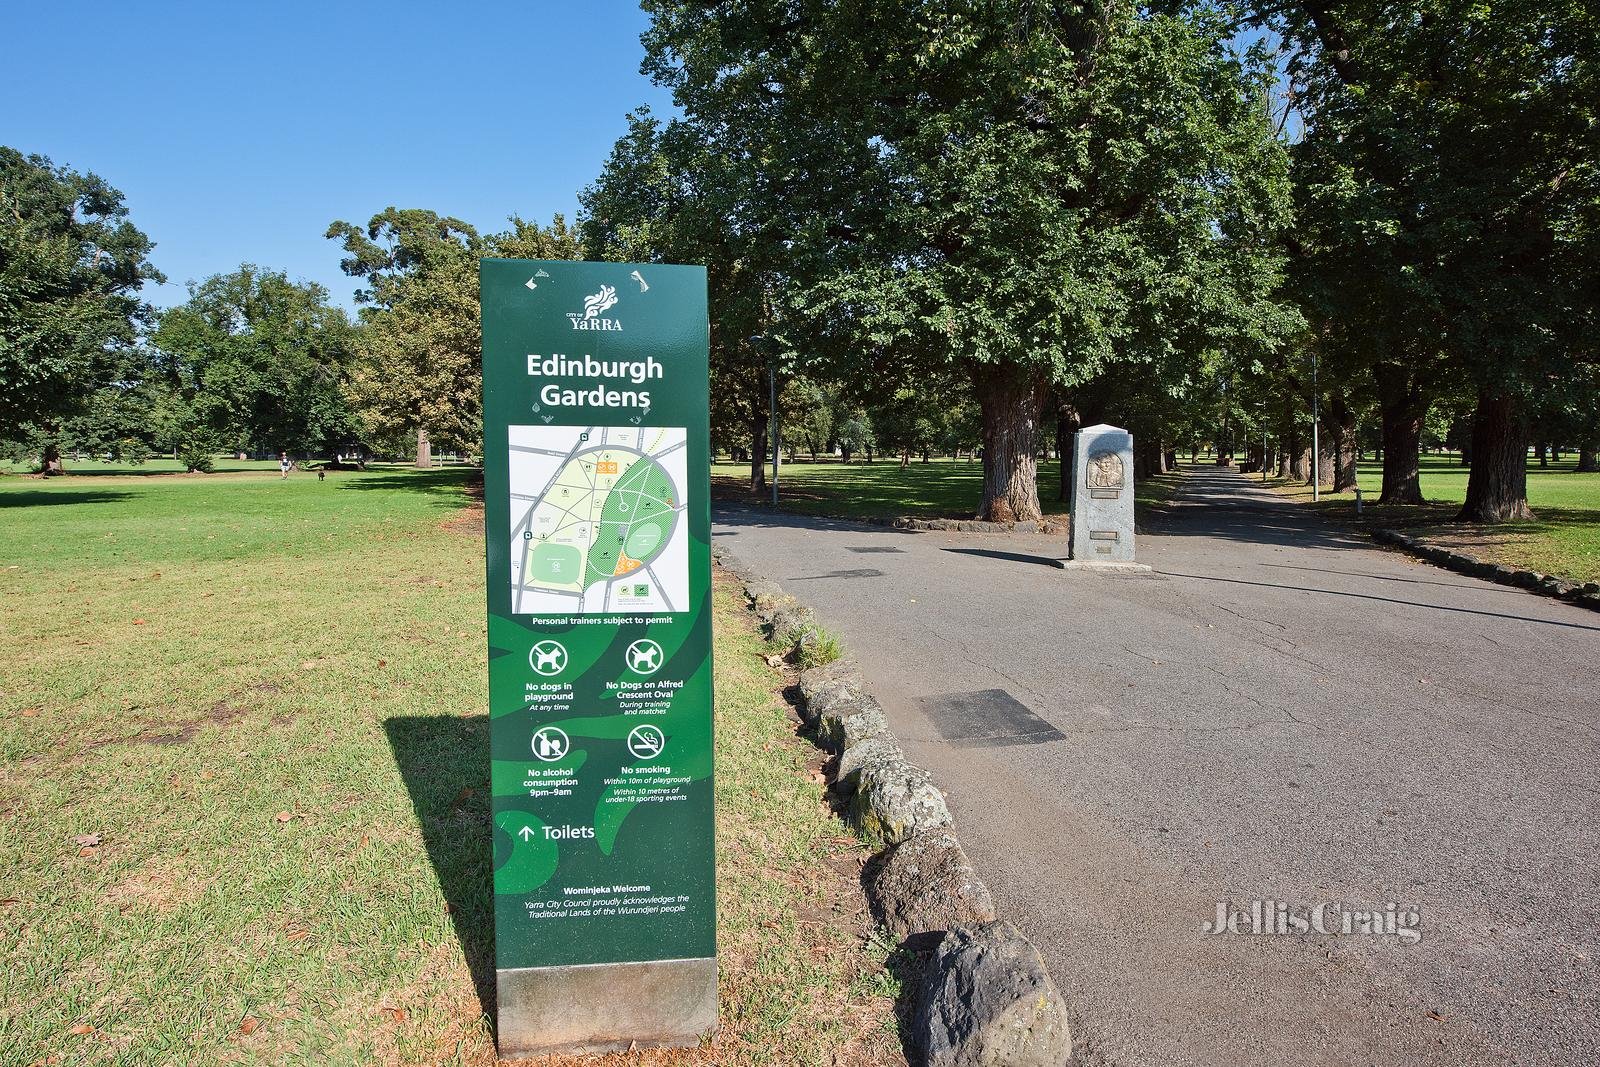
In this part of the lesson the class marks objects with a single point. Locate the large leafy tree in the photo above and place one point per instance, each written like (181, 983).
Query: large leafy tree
(530, 240)
(1449, 193)
(419, 369)
(1013, 192)
(255, 361)
(705, 188)
(71, 265)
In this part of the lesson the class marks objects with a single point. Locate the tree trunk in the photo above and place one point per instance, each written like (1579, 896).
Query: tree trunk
(1327, 463)
(1068, 423)
(758, 453)
(1292, 446)
(1346, 465)
(1301, 469)
(1588, 460)
(1340, 437)
(1403, 409)
(50, 460)
(1147, 456)
(1497, 488)
(1542, 451)
(424, 448)
(1009, 398)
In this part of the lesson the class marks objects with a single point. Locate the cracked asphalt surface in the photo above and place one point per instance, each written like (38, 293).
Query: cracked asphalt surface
(1282, 712)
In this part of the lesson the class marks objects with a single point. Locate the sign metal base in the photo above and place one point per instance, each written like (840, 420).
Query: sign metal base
(605, 1007)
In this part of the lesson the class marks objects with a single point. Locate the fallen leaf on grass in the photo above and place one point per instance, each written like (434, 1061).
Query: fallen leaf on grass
(29, 713)
(397, 1014)
(1436, 1017)
(383, 663)
(298, 935)
(82, 1029)
(285, 816)
(87, 839)
(8, 901)
(138, 622)
(249, 1025)
(363, 842)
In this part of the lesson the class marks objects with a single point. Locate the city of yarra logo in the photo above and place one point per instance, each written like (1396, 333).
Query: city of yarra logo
(594, 308)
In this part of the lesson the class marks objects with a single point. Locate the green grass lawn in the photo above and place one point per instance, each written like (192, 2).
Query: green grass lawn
(243, 789)
(1564, 540)
(941, 488)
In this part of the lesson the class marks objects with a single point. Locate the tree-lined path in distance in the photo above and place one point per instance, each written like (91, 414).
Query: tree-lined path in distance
(1280, 712)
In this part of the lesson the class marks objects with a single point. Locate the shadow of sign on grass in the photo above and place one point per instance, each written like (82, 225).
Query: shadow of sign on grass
(444, 760)
(449, 487)
(33, 498)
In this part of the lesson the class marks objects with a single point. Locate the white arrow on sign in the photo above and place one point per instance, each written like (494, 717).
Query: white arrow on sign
(526, 832)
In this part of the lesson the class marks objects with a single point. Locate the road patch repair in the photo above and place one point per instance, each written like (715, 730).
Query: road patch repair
(985, 995)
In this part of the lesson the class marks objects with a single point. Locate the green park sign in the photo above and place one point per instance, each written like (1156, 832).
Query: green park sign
(596, 503)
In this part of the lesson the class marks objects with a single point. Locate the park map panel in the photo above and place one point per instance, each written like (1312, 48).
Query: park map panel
(596, 519)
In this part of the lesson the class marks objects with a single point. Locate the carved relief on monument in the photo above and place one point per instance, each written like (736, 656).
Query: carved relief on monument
(1104, 470)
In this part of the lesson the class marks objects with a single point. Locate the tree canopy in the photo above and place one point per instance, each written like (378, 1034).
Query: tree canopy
(71, 265)
(1014, 192)
(253, 361)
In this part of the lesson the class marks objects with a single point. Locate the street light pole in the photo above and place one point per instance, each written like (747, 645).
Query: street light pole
(1316, 441)
(772, 388)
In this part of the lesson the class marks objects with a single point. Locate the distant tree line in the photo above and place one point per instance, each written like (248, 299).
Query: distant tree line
(252, 363)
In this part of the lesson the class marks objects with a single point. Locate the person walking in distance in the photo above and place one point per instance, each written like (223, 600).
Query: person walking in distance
(283, 465)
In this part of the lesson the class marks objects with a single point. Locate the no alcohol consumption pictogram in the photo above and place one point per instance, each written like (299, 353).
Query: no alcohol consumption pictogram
(551, 743)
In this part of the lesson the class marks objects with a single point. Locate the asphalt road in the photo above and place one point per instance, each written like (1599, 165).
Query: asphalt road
(1281, 712)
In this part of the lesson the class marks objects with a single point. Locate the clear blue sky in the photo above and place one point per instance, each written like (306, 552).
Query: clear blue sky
(238, 132)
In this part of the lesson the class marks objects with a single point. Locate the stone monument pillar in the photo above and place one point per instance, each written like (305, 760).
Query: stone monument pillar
(1102, 496)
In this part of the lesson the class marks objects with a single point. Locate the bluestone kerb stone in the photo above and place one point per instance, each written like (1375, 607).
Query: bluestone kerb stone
(1585, 595)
